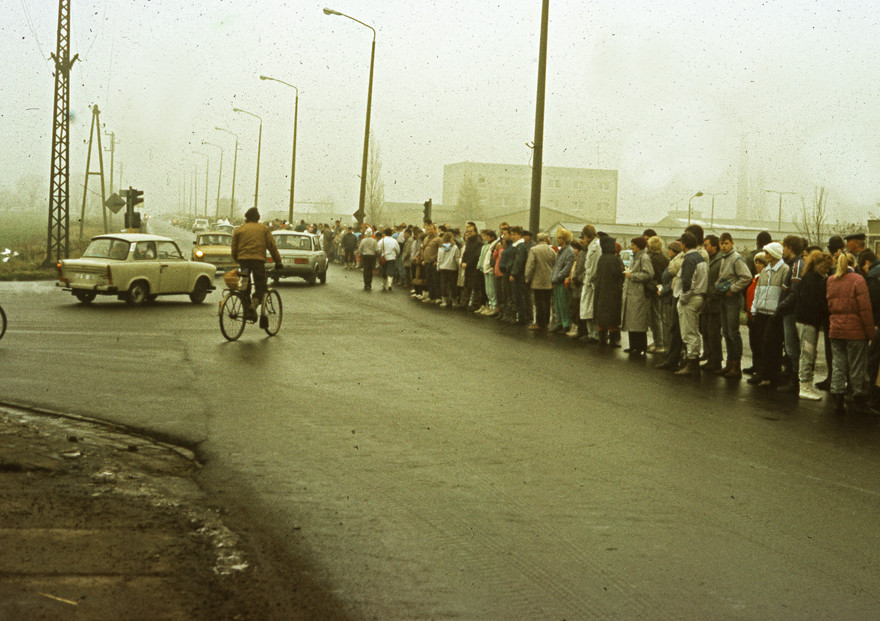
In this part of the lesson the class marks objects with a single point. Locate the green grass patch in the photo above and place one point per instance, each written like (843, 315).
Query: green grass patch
(25, 233)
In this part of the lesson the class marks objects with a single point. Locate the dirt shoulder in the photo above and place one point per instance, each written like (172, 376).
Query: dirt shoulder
(98, 523)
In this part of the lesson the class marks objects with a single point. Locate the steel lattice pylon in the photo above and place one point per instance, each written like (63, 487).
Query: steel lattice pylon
(58, 239)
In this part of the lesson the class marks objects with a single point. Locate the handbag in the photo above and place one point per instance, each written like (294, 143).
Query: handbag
(381, 259)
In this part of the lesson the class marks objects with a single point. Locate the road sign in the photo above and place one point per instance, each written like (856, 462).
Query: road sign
(115, 203)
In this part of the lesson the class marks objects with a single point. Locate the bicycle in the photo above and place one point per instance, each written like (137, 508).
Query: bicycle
(235, 303)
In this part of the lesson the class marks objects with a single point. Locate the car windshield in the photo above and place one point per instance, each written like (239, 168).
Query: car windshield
(107, 249)
(215, 240)
(293, 242)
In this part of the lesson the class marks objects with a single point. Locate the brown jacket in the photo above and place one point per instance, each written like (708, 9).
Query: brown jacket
(251, 240)
(432, 247)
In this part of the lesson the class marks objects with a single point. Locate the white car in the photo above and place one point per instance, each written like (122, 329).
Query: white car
(301, 256)
(200, 224)
(136, 268)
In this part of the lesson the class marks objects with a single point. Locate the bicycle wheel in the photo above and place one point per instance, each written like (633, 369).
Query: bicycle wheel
(272, 309)
(232, 317)
(3, 322)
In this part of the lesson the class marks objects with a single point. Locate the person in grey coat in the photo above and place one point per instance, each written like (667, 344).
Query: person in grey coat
(561, 271)
(636, 309)
(539, 266)
(608, 286)
(588, 292)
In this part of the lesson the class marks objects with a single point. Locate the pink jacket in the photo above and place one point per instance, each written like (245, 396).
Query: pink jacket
(850, 308)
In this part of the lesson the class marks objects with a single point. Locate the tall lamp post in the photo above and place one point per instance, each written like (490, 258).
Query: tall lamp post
(207, 166)
(259, 149)
(359, 216)
(697, 195)
(293, 157)
(713, 195)
(234, 166)
(219, 175)
(779, 219)
(538, 162)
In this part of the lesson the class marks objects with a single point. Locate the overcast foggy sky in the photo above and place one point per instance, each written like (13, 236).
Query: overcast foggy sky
(662, 89)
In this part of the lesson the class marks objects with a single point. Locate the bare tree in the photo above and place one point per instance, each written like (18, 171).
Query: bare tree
(814, 219)
(469, 206)
(375, 198)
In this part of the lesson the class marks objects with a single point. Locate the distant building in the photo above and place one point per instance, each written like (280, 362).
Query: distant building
(505, 189)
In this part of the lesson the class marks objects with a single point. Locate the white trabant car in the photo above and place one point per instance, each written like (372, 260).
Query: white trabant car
(301, 257)
(136, 268)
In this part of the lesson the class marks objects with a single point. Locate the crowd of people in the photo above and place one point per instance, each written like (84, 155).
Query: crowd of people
(690, 296)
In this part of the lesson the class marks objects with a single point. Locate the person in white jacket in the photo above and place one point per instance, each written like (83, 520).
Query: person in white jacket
(588, 291)
(388, 251)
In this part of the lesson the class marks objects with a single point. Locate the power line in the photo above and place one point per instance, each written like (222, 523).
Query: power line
(30, 23)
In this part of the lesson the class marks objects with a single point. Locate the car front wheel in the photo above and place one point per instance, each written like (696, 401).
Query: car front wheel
(199, 292)
(138, 294)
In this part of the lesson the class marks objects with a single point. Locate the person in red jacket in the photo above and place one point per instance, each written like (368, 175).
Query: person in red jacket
(851, 327)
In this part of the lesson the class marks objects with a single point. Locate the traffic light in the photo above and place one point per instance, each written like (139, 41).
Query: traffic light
(133, 221)
(428, 203)
(136, 197)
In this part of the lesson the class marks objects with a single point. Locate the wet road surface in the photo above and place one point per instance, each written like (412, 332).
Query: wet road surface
(437, 465)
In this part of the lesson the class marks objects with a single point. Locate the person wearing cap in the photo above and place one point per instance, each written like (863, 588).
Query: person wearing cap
(768, 323)
(835, 245)
(855, 243)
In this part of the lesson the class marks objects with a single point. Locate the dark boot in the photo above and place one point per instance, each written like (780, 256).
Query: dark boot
(825, 384)
(861, 405)
(787, 385)
(603, 338)
(614, 338)
(839, 400)
(733, 371)
(691, 367)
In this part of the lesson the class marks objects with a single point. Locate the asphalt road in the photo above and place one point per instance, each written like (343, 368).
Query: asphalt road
(436, 465)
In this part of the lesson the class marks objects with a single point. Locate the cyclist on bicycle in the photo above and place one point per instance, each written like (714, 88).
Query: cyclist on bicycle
(250, 242)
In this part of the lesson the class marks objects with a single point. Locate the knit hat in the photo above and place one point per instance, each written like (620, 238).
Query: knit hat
(674, 246)
(774, 249)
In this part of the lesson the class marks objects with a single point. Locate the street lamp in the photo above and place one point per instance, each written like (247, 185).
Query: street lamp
(259, 149)
(234, 166)
(777, 192)
(713, 195)
(293, 158)
(360, 212)
(207, 166)
(219, 176)
(697, 195)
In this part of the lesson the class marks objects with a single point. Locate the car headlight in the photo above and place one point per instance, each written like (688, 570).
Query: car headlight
(200, 254)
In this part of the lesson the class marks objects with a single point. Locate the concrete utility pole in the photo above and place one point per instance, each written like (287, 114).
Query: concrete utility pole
(538, 151)
(96, 123)
(58, 236)
(112, 151)
(234, 168)
(359, 215)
